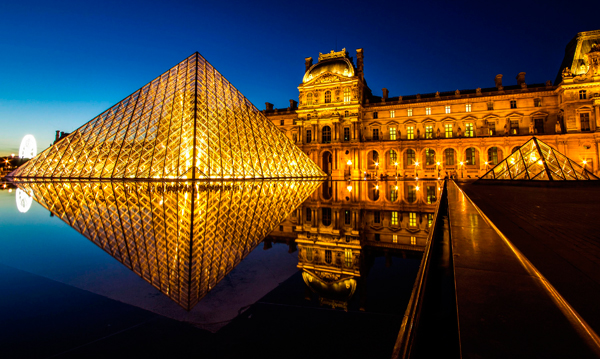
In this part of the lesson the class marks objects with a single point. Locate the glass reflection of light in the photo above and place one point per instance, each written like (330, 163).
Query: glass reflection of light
(23, 200)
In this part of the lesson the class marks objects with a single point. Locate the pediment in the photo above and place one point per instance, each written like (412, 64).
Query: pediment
(326, 77)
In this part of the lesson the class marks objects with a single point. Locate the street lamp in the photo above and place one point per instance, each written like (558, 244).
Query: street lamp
(462, 167)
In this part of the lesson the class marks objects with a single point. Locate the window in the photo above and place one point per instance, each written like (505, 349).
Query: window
(490, 106)
(308, 215)
(449, 154)
(308, 136)
(412, 219)
(429, 219)
(375, 114)
(493, 156)
(280, 228)
(409, 112)
(393, 193)
(308, 117)
(410, 133)
(539, 125)
(348, 257)
(413, 240)
(428, 110)
(428, 131)
(346, 133)
(492, 129)
(327, 96)
(346, 113)
(471, 156)
(468, 107)
(309, 254)
(537, 102)
(376, 134)
(429, 157)
(295, 137)
(282, 122)
(412, 194)
(347, 95)
(376, 217)
(448, 130)
(410, 157)
(392, 114)
(448, 109)
(328, 256)
(394, 218)
(347, 217)
(309, 99)
(393, 157)
(431, 194)
(377, 237)
(514, 127)
(392, 133)
(585, 121)
(469, 130)
(395, 238)
(513, 104)
(582, 94)
(375, 156)
(326, 134)
(326, 216)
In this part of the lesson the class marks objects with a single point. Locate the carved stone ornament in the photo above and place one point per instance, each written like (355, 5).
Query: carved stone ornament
(566, 73)
(437, 94)
(457, 93)
(478, 91)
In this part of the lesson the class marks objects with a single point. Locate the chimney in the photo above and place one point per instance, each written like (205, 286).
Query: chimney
(293, 105)
(385, 94)
(57, 135)
(498, 81)
(520, 78)
(307, 63)
(269, 106)
(359, 62)
(62, 134)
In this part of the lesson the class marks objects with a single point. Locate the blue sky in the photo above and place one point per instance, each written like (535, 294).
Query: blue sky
(64, 62)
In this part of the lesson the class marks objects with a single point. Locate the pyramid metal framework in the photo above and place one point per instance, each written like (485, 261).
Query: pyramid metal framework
(188, 123)
(183, 238)
(537, 161)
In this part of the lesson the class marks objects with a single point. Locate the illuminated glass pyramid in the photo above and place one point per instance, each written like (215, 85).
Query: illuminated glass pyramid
(183, 237)
(535, 160)
(188, 123)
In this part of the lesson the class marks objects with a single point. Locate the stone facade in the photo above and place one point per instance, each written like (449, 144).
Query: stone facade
(351, 133)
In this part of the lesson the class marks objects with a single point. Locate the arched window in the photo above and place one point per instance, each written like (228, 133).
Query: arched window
(326, 134)
(429, 157)
(309, 99)
(410, 157)
(471, 156)
(328, 256)
(326, 216)
(493, 156)
(375, 156)
(449, 154)
(393, 157)
(327, 96)
(411, 194)
(347, 95)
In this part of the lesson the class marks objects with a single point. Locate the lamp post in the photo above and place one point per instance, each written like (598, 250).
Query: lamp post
(416, 170)
(462, 167)
(437, 164)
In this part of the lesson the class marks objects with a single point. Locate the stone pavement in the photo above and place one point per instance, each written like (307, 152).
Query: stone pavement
(558, 230)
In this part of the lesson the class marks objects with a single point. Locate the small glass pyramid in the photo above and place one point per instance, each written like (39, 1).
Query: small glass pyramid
(537, 161)
(188, 123)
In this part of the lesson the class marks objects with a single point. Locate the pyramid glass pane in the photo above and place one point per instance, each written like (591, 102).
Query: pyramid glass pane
(188, 123)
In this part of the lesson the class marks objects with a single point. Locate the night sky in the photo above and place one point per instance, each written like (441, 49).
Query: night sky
(63, 63)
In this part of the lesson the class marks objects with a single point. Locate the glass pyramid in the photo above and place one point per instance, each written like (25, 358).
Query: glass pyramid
(188, 123)
(535, 160)
(182, 237)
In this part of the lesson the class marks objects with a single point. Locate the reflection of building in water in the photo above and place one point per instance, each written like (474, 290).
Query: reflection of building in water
(343, 225)
(181, 237)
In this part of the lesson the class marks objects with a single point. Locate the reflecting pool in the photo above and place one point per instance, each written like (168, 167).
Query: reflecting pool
(335, 269)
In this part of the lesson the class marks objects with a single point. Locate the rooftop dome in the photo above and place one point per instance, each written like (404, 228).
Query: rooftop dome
(340, 66)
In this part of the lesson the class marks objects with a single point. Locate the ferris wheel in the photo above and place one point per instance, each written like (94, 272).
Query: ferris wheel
(23, 200)
(28, 147)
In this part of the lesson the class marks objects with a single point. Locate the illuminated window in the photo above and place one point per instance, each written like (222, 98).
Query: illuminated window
(309, 99)
(412, 219)
(375, 114)
(490, 106)
(429, 219)
(513, 104)
(347, 217)
(326, 216)
(328, 256)
(469, 130)
(347, 95)
(394, 218)
(471, 156)
(428, 131)
(327, 96)
(429, 157)
(493, 156)
(346, 133)
(392, 114)
(326, 134)
(410, 157)
(428, 110)
(395, 238)
(449, 152)
(448, 109)
(585, 121)
(582, 94)
(393, 193)
(308, 136)
(448, 130)
(413, 241)
(282, 122)
(514, 127)
(468, 107)
(412, 194)
(308, 215)
(431, 194)
(537, 102)
(376, 134)
(376, 217)
(410, 133)
(393, 157)
(392, 133)
(309, 253)
(409, 112)
(348, 256)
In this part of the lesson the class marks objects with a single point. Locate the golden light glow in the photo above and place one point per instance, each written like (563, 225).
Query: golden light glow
(349, 188)
(376, 164)
(438, 163)
(418, 188)
(349, 163)
(584, 162)
(377, 187)
(416, 163)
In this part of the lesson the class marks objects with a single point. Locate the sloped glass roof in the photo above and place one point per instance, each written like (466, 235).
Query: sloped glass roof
(536, 160)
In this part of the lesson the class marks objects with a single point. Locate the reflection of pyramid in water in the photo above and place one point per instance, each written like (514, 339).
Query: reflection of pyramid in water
(535, 160)
(190, 122)
(181, 238)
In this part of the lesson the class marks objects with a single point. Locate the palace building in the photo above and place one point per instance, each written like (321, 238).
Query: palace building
(351, 133)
